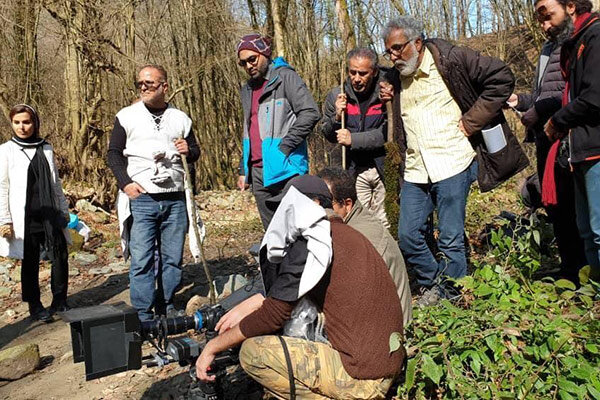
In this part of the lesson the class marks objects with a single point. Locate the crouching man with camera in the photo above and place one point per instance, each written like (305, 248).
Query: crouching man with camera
(341, 273)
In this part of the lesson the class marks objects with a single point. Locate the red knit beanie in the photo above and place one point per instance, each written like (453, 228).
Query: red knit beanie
(255, 42)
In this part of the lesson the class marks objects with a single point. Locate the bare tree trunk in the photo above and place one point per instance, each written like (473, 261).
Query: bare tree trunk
(398, 6)
(345, 25)
(72, 76)
(447, 14)
(365, 38)
(253, 18)
(30, 19)
(278, 28)
(479, 28)
(461, 17)
(129, 46)
(85, 60)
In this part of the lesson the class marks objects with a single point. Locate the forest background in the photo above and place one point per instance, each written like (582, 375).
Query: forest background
(76, 61)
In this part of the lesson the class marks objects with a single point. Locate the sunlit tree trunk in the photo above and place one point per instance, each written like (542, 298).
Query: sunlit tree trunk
(276, 14)
(28, 19)
(365, 38)
(345, 25)
(129, 45)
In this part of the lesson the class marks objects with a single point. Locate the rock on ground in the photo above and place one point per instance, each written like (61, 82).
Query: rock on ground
(119, 266)
(18, 361)
(195, 303)
(85, 258)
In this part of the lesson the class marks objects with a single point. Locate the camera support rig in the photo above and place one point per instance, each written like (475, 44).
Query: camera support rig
(108, 339)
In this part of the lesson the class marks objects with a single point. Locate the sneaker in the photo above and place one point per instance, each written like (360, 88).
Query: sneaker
(37, 312)
(58, 307)
(429, 296)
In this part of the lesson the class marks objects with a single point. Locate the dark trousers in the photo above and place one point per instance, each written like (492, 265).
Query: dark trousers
(30, 268)
(570, 245)
(262, 194)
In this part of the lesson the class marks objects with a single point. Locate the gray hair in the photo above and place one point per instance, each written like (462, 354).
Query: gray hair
(411, 28)
(363, 52)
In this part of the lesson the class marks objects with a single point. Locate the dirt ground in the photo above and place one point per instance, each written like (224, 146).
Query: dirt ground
(226, 215)
(232, 225)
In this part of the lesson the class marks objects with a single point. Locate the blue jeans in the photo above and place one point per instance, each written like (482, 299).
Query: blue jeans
(158, 219)
(417, 201)
(587, 209)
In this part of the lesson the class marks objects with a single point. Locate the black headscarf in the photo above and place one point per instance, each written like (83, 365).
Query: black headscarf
(52, 219)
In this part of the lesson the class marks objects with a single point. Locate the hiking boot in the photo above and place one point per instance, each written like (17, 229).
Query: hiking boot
(37, 312)
(429, 296)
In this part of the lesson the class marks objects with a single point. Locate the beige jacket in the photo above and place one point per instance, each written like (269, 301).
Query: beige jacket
(367, 224)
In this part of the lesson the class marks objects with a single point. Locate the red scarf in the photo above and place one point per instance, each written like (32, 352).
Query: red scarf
(549, 197)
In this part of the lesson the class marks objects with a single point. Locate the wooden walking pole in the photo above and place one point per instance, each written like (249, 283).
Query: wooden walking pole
(391, 173)
(390, 121)
(342, 76)
(190, 187)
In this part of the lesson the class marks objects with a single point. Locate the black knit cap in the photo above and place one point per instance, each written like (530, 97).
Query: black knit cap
(308, 185)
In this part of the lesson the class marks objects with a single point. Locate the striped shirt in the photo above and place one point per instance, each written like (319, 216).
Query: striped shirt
(436, 148)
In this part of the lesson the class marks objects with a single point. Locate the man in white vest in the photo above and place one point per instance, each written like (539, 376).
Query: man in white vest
(147, 144)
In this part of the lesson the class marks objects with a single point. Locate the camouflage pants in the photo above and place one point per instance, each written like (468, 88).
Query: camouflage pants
(318, 370)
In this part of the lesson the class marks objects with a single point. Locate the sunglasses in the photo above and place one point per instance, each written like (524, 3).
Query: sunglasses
(252, 60)
(150, 85)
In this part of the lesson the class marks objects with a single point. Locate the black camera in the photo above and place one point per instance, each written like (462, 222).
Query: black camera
(108, 339)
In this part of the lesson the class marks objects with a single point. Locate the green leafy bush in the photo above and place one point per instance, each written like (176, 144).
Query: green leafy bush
(509, 337)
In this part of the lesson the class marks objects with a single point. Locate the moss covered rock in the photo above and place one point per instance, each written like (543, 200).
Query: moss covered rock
(18, 361)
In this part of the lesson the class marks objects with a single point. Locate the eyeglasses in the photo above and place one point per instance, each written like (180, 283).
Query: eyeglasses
(252, 60)
(395, 49)
(150, 85)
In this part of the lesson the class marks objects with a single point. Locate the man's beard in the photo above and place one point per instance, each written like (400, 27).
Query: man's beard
(260, 75)
(409, 67)
(562, 32)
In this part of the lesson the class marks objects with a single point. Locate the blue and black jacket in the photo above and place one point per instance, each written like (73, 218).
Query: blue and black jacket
(287, 114)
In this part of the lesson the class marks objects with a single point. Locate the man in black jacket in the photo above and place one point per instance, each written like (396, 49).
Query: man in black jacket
(580, 119)
(448, 95)
(364, 134)
(537, 107)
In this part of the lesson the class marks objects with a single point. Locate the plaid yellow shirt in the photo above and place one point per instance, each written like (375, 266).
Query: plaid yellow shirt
(436, 148)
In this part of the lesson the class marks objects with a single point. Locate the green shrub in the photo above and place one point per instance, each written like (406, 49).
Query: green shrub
(508, 337)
